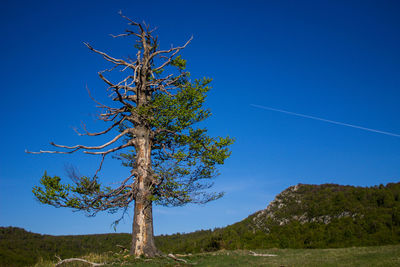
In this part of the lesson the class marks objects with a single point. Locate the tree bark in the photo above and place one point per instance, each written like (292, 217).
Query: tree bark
(142, 228)
(142, 232)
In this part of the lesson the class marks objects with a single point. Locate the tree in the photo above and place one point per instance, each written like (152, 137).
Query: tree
(155, 117)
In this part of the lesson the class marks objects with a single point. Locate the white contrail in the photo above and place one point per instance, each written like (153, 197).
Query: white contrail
(325, 120)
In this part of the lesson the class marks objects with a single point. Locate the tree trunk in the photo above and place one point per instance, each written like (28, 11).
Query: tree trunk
(142, 232)
(142, 228)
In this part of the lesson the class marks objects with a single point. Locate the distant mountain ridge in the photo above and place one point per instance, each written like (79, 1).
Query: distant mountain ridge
(301, 216)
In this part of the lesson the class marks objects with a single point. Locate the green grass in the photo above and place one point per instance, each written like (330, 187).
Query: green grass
(355, 256)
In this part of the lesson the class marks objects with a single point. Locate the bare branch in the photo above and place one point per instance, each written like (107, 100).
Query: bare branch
(110, 115)
(101, 105)
(51, 152)
(108, 151)
(106, 81)
(78, 147)
(116, 90)
(167, 62)
(131, 21)
(109, 58)
(100, 133)
(101, 165)
(78, 259)
(110, 201)
(94, 147)
(128, 33)
(170, 50)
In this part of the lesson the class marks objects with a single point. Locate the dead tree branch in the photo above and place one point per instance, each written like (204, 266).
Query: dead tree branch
(78, 259)
(252, 253)
(110, 58)
(99, 133)
(175, 258)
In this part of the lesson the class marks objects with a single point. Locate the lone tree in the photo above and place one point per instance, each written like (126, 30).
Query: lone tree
(171, 160)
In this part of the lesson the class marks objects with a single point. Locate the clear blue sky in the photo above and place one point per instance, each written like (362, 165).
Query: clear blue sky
(338, 60)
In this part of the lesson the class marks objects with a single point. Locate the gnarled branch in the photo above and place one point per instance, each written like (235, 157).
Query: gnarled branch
(94, 147)
(173, 49)
(110, 150)
(109, 58)
(100, 133)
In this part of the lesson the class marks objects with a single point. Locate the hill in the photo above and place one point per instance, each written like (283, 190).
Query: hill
(307, 216)
(302, 216)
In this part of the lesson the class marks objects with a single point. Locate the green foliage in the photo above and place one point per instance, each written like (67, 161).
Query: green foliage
(184, 157)
(179, 63)
(83, 195)
(52, 191)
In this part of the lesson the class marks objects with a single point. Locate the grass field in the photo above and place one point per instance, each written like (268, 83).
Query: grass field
(355, 256)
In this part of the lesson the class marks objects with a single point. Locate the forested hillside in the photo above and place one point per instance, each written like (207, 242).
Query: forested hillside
(20, 248)
(308, 216)
(302, 216)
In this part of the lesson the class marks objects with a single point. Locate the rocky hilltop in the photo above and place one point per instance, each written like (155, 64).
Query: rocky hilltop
(310, 203)
(326, 215)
